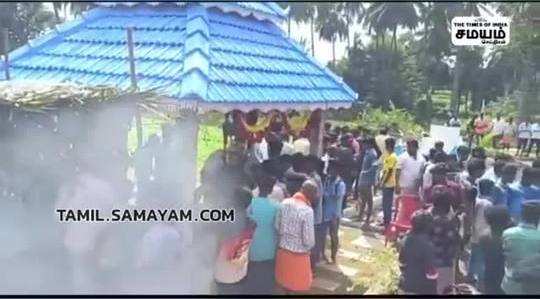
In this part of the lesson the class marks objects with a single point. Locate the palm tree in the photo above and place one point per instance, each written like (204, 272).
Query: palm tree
(351, 11)
(464, 9)
(331, 25)
(303, 12)
(383, 16)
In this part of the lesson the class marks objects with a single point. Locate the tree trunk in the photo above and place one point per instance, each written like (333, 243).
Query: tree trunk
(312, 37)
(429, 103)
(334, 52)
(289, 26)
(455, 83)
(467, 101)
(394, 39)
(458, 102)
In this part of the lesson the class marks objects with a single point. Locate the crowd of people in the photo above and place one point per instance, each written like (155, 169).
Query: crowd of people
(473, 211)
(506, 133)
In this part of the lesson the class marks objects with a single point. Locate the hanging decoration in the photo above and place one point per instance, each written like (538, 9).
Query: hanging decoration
(252, 126)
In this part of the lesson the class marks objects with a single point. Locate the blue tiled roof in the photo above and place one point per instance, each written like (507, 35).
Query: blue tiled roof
(223, 60)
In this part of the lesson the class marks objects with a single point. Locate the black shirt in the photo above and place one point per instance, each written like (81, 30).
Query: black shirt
(494, 264)
(416, 258)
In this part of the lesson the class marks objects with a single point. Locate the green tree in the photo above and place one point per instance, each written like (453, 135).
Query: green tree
(331, 25)
(382, 16)
(24, 20)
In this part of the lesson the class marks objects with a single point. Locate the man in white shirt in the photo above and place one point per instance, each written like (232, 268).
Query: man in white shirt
(524, 134)
(381, 138)
(302, 144)
(535, 139)
(409, 169)
(498, 130)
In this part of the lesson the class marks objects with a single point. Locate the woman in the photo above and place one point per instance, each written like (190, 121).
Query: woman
(294, 223)
(482, 126)
(509, 132)
(262, 212)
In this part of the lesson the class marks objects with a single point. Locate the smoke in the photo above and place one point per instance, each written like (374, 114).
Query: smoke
(77, 159)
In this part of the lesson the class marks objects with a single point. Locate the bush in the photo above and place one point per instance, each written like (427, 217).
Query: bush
(400, 121)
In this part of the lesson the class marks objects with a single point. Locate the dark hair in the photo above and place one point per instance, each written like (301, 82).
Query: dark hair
(475, 164)
(370, 141)
(439, 169)
(242, 197)
(390, 142)
(528, 176)
(383, 131)
(439, 144)
(485, 187)
(536, 163)
(412, 142)
(530, 212)
(441, 199)
(509, 172)
(421, 222)
(479, 152)
(440, 157)
(498, 167)
(498, 218)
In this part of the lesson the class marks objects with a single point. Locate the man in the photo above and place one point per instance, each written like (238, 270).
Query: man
(524, 133)
(456, 196)
(519, 243)
(367, 179)
(505, 194)
(445, 238)
(302, 144)
(498, 130)
(530, 183)
(409, 170)
(388, 179)
(535, 139)
(438, 157)
(498, 220)
(333, 196)
(379, 139)
(294, 224)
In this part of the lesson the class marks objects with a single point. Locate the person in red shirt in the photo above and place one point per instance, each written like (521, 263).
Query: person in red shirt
(439, 178)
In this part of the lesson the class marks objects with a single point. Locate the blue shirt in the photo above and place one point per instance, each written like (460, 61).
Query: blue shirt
(263, 212)
(530, 192)
(514, 198)
(334, 192)
(369, 169)
(500, 194)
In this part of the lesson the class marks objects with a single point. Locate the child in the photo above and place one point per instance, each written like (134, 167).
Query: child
(418, 275)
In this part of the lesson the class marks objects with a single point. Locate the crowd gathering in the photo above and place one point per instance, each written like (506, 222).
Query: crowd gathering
(471, 210)
(506, 133)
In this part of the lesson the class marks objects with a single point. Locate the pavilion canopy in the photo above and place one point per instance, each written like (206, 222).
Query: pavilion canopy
(212, 55)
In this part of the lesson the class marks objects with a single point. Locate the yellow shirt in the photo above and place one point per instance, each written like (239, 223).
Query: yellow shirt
(389, 165)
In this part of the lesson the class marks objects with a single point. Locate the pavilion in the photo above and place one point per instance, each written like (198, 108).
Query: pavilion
(199, 56)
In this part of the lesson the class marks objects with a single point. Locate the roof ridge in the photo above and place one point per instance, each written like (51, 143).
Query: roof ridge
(196, 67)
